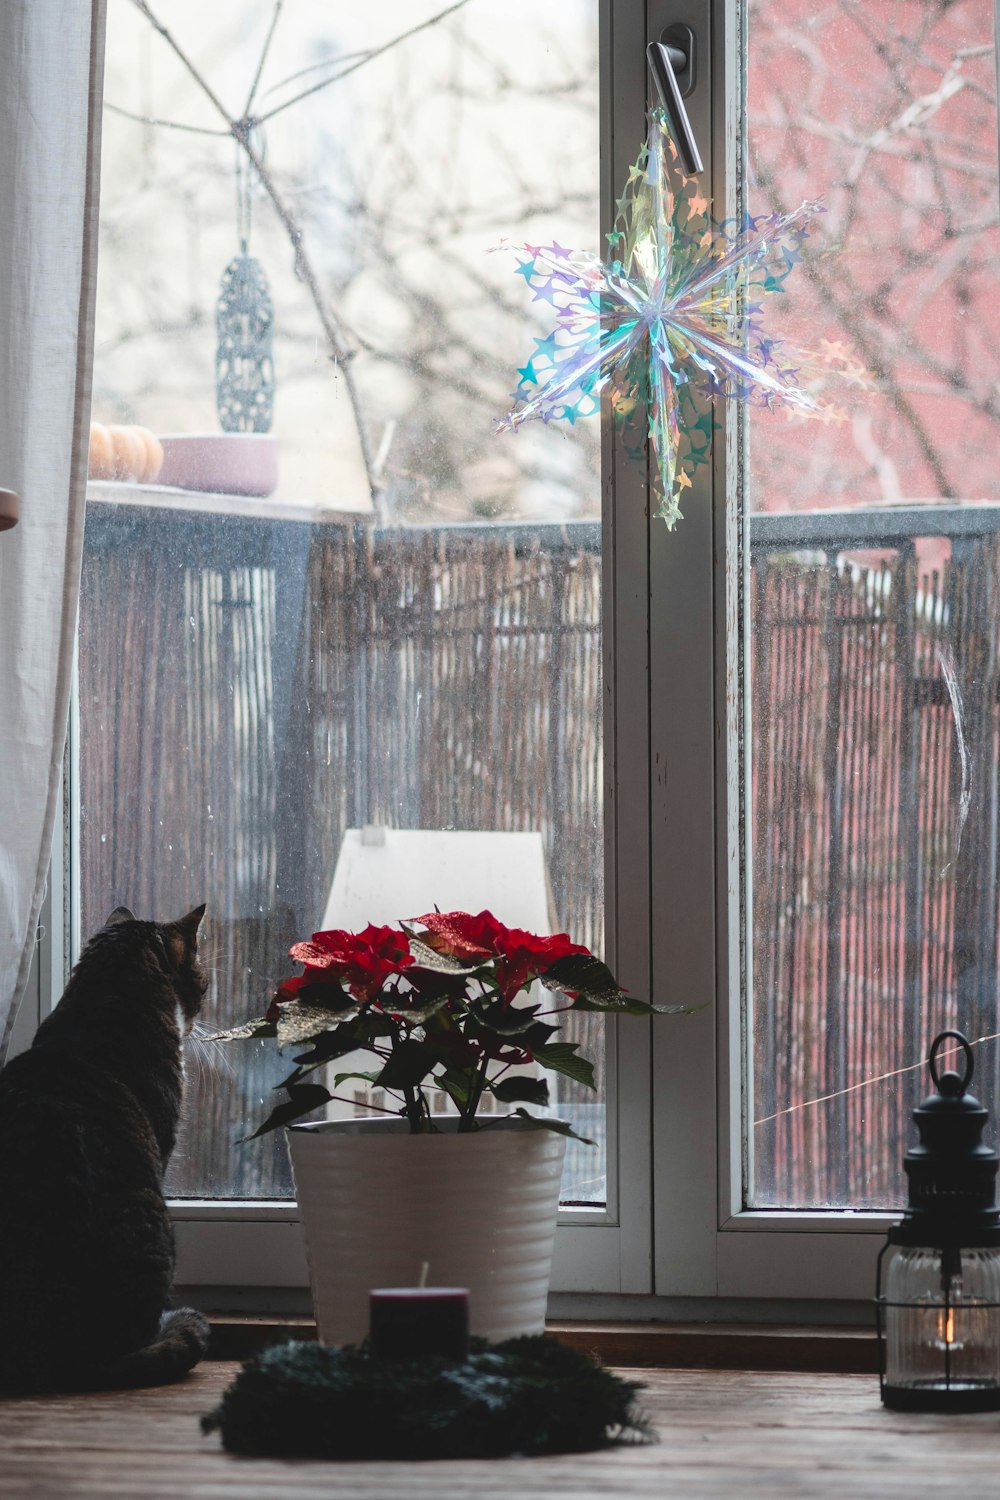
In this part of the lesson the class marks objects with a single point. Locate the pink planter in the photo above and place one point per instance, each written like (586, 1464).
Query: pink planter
(221, 463)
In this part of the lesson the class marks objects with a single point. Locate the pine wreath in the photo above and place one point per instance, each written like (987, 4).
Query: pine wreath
(528, 1395)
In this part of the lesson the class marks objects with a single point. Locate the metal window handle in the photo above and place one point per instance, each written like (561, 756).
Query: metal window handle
(671, 61)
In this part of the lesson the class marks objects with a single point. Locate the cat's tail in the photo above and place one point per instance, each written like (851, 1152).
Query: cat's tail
(177, 1348)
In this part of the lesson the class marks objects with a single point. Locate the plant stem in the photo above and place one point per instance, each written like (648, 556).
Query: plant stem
(468, 1120)
(413, 1110)
(414, 1096)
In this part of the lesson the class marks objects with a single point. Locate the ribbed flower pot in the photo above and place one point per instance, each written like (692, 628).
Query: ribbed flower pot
(479, 1208)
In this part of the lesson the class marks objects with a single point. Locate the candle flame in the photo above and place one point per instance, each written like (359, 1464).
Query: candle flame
(946, 1327)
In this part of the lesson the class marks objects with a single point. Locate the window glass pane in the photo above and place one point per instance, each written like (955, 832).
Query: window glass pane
(268, 665)
(873, 577)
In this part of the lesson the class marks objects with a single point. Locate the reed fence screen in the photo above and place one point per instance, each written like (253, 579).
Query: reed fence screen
(250, 688)
(875, 741)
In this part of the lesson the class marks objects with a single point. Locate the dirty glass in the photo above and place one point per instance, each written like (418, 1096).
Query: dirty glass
(343, 603)
(872, 591)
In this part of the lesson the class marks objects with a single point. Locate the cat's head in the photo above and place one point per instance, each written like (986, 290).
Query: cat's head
(171, 945)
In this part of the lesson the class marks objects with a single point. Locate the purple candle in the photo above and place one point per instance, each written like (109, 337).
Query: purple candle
(417, 1322)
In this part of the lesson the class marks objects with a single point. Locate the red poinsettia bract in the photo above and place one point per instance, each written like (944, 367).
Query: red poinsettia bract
(520, 956)
(362, 962)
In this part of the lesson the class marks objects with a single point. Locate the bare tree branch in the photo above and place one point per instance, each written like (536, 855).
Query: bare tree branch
(362, 62)
(337, 336)
(263, 57)
(129, 114)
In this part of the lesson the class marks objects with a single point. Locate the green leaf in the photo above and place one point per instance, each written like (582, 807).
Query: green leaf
(320, 1055)
(340, 1078)
(457, 1083)
(418, 1015)
(629, 1006)
(261, 1027)
(294, 1077)
(521, 1090)
(353, 1036)
(561, 1057)
(505, 1020)
(537, 1035)
(409, 1065)
(326, 994)
(596, 988)
(300, 1023)
(441, 963)
(585, 975)
(304, 1098)
(559, 1127)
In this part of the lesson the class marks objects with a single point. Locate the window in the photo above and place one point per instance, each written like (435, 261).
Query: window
(390, 660)
(828, 595)
(776, 682)
(872, 595)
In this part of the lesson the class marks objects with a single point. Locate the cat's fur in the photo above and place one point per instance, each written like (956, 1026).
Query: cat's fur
(88, 1119)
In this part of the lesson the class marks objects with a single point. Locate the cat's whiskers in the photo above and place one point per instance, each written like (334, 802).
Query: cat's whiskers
(209, 1056)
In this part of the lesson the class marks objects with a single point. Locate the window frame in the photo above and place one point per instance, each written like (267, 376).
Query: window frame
(699, 573)
(675, 1228)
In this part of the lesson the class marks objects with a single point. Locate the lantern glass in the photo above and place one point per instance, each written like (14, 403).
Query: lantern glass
(941, 1324)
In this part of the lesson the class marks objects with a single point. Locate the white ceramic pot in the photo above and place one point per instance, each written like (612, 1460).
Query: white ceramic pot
(479, 1208)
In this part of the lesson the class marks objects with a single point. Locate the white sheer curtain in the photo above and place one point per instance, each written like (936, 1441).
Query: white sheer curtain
(51, 62)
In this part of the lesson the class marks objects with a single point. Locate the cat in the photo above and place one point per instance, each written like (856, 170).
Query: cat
(88, 1119)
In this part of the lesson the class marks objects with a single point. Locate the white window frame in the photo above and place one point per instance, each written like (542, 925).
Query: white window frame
(698, 598)
(674, 1232)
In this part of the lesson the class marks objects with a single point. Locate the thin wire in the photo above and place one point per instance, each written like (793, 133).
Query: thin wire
(375, 52)
(243, 200)
(867, 1082)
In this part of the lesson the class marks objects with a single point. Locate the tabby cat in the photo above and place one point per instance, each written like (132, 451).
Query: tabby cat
(88, 1119)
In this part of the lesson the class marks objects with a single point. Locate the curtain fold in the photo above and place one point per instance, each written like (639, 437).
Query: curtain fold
(51, 72)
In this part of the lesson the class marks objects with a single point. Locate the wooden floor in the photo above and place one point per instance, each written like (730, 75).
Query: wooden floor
(722, 1434)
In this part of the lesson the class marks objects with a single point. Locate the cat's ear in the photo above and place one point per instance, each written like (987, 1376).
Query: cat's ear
(120, 914)
(189, 925)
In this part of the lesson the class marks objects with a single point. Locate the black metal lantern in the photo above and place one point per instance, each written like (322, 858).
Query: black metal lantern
(937, 1293)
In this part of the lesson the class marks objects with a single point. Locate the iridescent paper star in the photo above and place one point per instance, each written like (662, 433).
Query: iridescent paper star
(670, 322)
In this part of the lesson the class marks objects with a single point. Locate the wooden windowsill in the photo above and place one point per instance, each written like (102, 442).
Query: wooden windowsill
(715, 1346)
(720, 1435)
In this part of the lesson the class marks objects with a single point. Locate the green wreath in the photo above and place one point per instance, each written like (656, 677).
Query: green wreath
(529, 1395)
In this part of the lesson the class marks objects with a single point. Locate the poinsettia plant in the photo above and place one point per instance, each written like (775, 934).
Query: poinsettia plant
(444, 1002)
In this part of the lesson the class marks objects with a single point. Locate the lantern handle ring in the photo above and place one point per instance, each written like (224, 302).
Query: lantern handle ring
(964, 1043)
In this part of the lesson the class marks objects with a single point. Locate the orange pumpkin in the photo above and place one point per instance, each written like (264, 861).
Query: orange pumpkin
(124, 453)
(129, 451)
(154, 456)
(101, 459)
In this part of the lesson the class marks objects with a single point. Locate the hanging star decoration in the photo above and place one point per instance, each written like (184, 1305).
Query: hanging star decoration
(672, 322)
